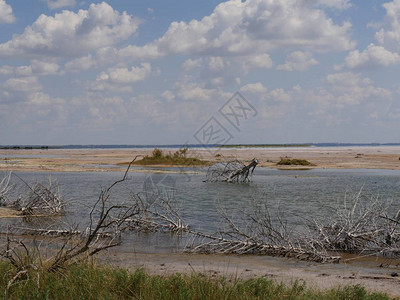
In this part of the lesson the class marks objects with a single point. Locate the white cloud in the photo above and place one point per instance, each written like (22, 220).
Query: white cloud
(389, 33)
(280, 95)
(80, 64)
(190, 64)
(40, 67)
(255, 88)
(70, 34)
(338, 4)
(6, 13)
(298, 61)
(124, 75)
(55, 4)
(352, 89)
(250, 27)
(23, 84)
(257, 61)
(168, 95)
(19, 71)
(37, 67)
(217, 63)
(195, 92)
(344, 79)
(371, 57)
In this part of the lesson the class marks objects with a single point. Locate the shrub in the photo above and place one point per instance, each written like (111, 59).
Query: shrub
(157, 153)
(293, 162)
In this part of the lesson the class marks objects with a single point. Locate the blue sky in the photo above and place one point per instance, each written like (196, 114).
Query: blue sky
(154, 72)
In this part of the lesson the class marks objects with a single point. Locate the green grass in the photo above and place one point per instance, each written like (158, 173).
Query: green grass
(88, 281)
(171, 161)
(293, 162)
(179, 158)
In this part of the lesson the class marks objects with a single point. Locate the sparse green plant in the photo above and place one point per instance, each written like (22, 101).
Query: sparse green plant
(178, 158)
(157, 153)
(293, 162)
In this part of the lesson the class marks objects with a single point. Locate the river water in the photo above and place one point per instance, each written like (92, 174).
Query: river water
(298, 195)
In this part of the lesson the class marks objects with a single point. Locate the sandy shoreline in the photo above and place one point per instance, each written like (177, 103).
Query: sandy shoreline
(109, 160)
(320, 276)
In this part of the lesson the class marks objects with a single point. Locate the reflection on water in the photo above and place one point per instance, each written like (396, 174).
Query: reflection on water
(298, 194)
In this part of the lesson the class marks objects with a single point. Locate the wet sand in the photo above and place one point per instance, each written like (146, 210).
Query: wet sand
(108, 160)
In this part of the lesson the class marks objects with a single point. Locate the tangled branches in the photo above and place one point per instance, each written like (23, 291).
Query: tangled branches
(44, 200)
(361, 226)
(262, 234)
(104, 231)
(231, 171)
(5, 188)
(161, 215)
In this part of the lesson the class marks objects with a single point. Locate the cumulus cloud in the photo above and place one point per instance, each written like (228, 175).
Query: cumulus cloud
(70, 34)
(250, 27)
(124, 75)
(257, 61)
(371, 57)
(298, 61)
(37, 67)
(23, 84)
(55, 4)
(352, 89)
(254, 88)
(80, 64)
(19, 71)
(6, 14)
(190, 64)
(40, 67)
(338, 4)
(389, 33)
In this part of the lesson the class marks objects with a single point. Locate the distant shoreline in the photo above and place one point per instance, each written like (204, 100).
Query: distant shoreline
(191, 146)
(114, 159)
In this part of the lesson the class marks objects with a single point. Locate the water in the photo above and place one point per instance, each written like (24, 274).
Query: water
(298, 195)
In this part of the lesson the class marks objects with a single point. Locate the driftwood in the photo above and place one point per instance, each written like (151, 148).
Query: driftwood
(263, 233)
(360, 226)
(231, 171)
(160, 215)
(104, 231)
(5, 188)
(40, 200)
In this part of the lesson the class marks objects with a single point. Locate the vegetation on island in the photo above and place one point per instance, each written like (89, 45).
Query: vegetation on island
(293, 162)
(180, 157)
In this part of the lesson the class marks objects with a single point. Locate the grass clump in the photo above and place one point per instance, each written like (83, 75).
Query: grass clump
(158, 157)
(293, 162)
(88, 281)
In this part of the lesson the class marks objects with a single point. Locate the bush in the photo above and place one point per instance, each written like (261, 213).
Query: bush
(293, 162)
(157, 153)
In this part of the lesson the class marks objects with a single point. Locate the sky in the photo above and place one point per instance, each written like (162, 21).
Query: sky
(199, 71)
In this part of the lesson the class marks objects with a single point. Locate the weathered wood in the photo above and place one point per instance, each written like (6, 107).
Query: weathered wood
(231, 171)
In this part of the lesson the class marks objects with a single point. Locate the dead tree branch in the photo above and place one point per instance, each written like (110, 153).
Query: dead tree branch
(5, 188)
(231, 171)
(262, 234)
(361, 225)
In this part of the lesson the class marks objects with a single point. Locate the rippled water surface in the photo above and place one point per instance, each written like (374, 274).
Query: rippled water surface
(298, 194)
